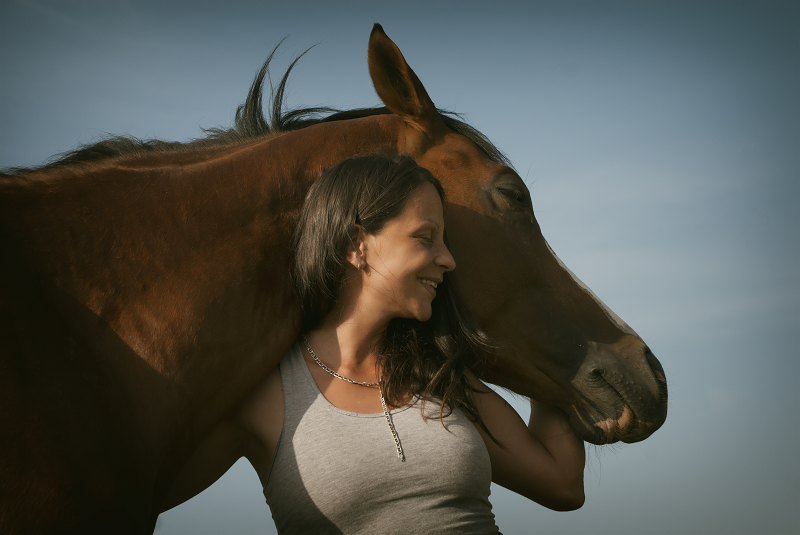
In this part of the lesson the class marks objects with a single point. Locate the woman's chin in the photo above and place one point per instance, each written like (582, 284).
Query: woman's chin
(424, 315)
(423, 312)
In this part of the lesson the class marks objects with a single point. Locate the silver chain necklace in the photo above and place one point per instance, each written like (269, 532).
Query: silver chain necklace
(400, 453)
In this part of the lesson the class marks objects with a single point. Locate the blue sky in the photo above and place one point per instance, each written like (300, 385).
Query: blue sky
(661, 144)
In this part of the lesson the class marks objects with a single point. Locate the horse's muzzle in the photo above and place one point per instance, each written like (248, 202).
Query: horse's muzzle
(623, 397)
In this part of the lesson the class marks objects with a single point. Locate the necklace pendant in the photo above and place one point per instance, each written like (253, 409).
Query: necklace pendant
(400, 454)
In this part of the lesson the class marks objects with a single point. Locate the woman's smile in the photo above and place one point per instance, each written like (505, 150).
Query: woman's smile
(430, 285)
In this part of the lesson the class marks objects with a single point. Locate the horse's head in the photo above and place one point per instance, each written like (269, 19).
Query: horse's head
(558, 342)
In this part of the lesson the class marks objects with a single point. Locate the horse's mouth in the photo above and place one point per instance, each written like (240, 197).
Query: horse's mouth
(617, 429)
(600, 428)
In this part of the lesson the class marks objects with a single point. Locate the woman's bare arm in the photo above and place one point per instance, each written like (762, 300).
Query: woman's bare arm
(542, 461)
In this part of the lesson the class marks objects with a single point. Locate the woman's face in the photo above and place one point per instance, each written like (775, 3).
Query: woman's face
(407, 259)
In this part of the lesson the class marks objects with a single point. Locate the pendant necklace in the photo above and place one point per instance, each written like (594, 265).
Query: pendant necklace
(400, 454)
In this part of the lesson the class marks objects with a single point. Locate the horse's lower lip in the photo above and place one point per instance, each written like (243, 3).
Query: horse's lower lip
(618, 421)
(627, 428)
(617, 429)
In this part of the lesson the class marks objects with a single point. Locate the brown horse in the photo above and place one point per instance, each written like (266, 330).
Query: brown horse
(145, 289)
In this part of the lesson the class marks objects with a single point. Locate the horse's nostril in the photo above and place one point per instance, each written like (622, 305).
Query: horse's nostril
(655, 365)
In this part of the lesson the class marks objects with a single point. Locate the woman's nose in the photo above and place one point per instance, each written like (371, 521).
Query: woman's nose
(445, 260)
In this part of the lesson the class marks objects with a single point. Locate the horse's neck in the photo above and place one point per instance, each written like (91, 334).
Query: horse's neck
(186, 266)
(135, 221)
(262, 188)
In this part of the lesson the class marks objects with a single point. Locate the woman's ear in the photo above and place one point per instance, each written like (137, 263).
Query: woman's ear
(356, 251)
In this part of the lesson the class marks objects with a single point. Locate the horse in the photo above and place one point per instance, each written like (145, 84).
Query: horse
(146, 289)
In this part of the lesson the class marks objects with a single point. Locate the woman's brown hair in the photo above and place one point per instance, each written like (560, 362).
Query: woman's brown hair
(427, 359)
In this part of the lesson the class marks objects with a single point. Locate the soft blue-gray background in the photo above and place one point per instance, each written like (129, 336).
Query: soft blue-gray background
(661, 142)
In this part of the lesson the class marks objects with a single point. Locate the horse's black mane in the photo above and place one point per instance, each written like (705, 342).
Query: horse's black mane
(250, 122)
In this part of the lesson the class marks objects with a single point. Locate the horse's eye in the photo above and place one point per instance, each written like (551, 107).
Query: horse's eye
(513, 195)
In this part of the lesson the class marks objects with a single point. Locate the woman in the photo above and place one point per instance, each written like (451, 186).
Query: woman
(374, 421)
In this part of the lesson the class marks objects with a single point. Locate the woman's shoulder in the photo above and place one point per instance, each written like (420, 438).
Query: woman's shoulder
(267, 396)
(261, 413)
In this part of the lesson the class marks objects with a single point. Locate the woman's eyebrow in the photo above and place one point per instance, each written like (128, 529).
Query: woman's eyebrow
(432, 221)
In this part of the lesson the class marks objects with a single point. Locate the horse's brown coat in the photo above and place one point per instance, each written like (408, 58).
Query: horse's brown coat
(144, 296)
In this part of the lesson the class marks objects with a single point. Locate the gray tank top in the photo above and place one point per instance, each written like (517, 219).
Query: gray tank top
(337, 472)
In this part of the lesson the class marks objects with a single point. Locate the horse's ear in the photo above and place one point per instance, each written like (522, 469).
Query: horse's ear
(397, 85)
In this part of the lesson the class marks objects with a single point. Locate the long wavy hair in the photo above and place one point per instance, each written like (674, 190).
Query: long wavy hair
(427, 359)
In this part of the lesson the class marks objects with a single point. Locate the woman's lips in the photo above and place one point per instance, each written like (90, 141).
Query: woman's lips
(429, 284)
